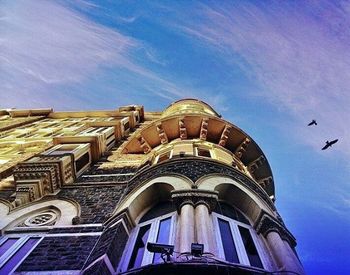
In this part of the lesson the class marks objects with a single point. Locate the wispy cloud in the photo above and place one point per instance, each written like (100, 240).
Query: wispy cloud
(44, 44)
(299, 55)
(46, 48)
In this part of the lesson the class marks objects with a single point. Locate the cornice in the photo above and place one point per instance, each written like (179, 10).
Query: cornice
(194, 197)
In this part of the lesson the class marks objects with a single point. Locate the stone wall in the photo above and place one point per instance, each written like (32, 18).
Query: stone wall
(59, 253)
(112, 243)
(96, 202)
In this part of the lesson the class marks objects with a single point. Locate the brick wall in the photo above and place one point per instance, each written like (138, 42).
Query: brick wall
(97, 202)
(59, 253)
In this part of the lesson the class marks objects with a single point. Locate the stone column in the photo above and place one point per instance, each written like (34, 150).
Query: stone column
(280, 253)
(297, 264)
(204, 228)
(186, 231)
(279, 240)
(194, 207)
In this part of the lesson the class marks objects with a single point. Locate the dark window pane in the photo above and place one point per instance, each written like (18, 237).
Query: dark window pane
(160, 209)
(6, 245)
(231, 212)
(203, 152)
(140, 245)
(80, 163)
(164, 157)
(126, 126)
(250, 248)
(163, 237)
(18, 256)
(227, 242)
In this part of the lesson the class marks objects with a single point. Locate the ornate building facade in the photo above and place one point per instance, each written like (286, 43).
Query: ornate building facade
(132, 192)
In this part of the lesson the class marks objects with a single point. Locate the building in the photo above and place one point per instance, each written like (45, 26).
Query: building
(86, 192)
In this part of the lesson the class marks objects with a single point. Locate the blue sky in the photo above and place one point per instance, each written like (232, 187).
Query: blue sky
(267, 66)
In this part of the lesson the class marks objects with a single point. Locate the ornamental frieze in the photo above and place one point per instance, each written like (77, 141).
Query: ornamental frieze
(195, 197)
(194, 169)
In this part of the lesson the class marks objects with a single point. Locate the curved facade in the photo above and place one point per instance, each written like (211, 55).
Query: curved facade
(131, 192)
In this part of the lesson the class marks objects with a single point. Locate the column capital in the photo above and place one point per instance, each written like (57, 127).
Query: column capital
(266, 223)
(195, 197)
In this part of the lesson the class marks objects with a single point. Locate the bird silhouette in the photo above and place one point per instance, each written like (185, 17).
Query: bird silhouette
(329, 144)
(313, 122)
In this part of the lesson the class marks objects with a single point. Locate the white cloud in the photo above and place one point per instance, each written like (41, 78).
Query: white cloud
(47, 42)
(299, 55)
(47, 48)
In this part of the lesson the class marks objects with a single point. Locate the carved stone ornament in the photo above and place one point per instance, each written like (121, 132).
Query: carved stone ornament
(242, 148)
(194, 168)
(182, 129)
(42, 219)
(224, 135)
(194, 197)
(161, 133)
(267, 223)
(204, 129)
(144, 145)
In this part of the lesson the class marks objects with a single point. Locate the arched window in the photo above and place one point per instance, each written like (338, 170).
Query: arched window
(157, 226)
(236, 239)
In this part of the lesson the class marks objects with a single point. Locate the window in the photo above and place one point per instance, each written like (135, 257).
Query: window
(236, 238)
(156, 227)
(203, 152)
(164, 156)
(13, 250)
(126, 126)
(82, 162)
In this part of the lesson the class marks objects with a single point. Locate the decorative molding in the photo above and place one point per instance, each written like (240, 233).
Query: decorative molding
(224, 135)
(204, 129)
(194, 197)
(161, 133)
(144, 144)
(266, 223)
(265, 181)
(42, 175)
(195, 168)
(242, 148)
(41, 219)
(182, 129)
(255, 164)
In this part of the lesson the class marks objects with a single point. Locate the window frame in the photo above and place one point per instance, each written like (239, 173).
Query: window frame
(152, 237)
(170, 152)
(238, 241)
(204, 148)
(16, 247)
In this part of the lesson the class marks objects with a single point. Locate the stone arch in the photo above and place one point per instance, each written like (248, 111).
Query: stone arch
(235, 194)
(66, 209)
(150, 193)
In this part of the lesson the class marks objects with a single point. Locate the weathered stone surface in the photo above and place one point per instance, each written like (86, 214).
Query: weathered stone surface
(97, 202)
(195, 168)
(112, 243)
(97, 268)
(59, 253)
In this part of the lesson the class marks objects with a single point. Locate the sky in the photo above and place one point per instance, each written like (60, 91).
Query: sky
(269, 67)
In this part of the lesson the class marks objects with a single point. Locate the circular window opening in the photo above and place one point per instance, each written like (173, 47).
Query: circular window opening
(46, 218)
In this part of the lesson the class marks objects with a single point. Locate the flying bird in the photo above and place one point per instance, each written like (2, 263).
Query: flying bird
(329, 144)
(313, 122)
